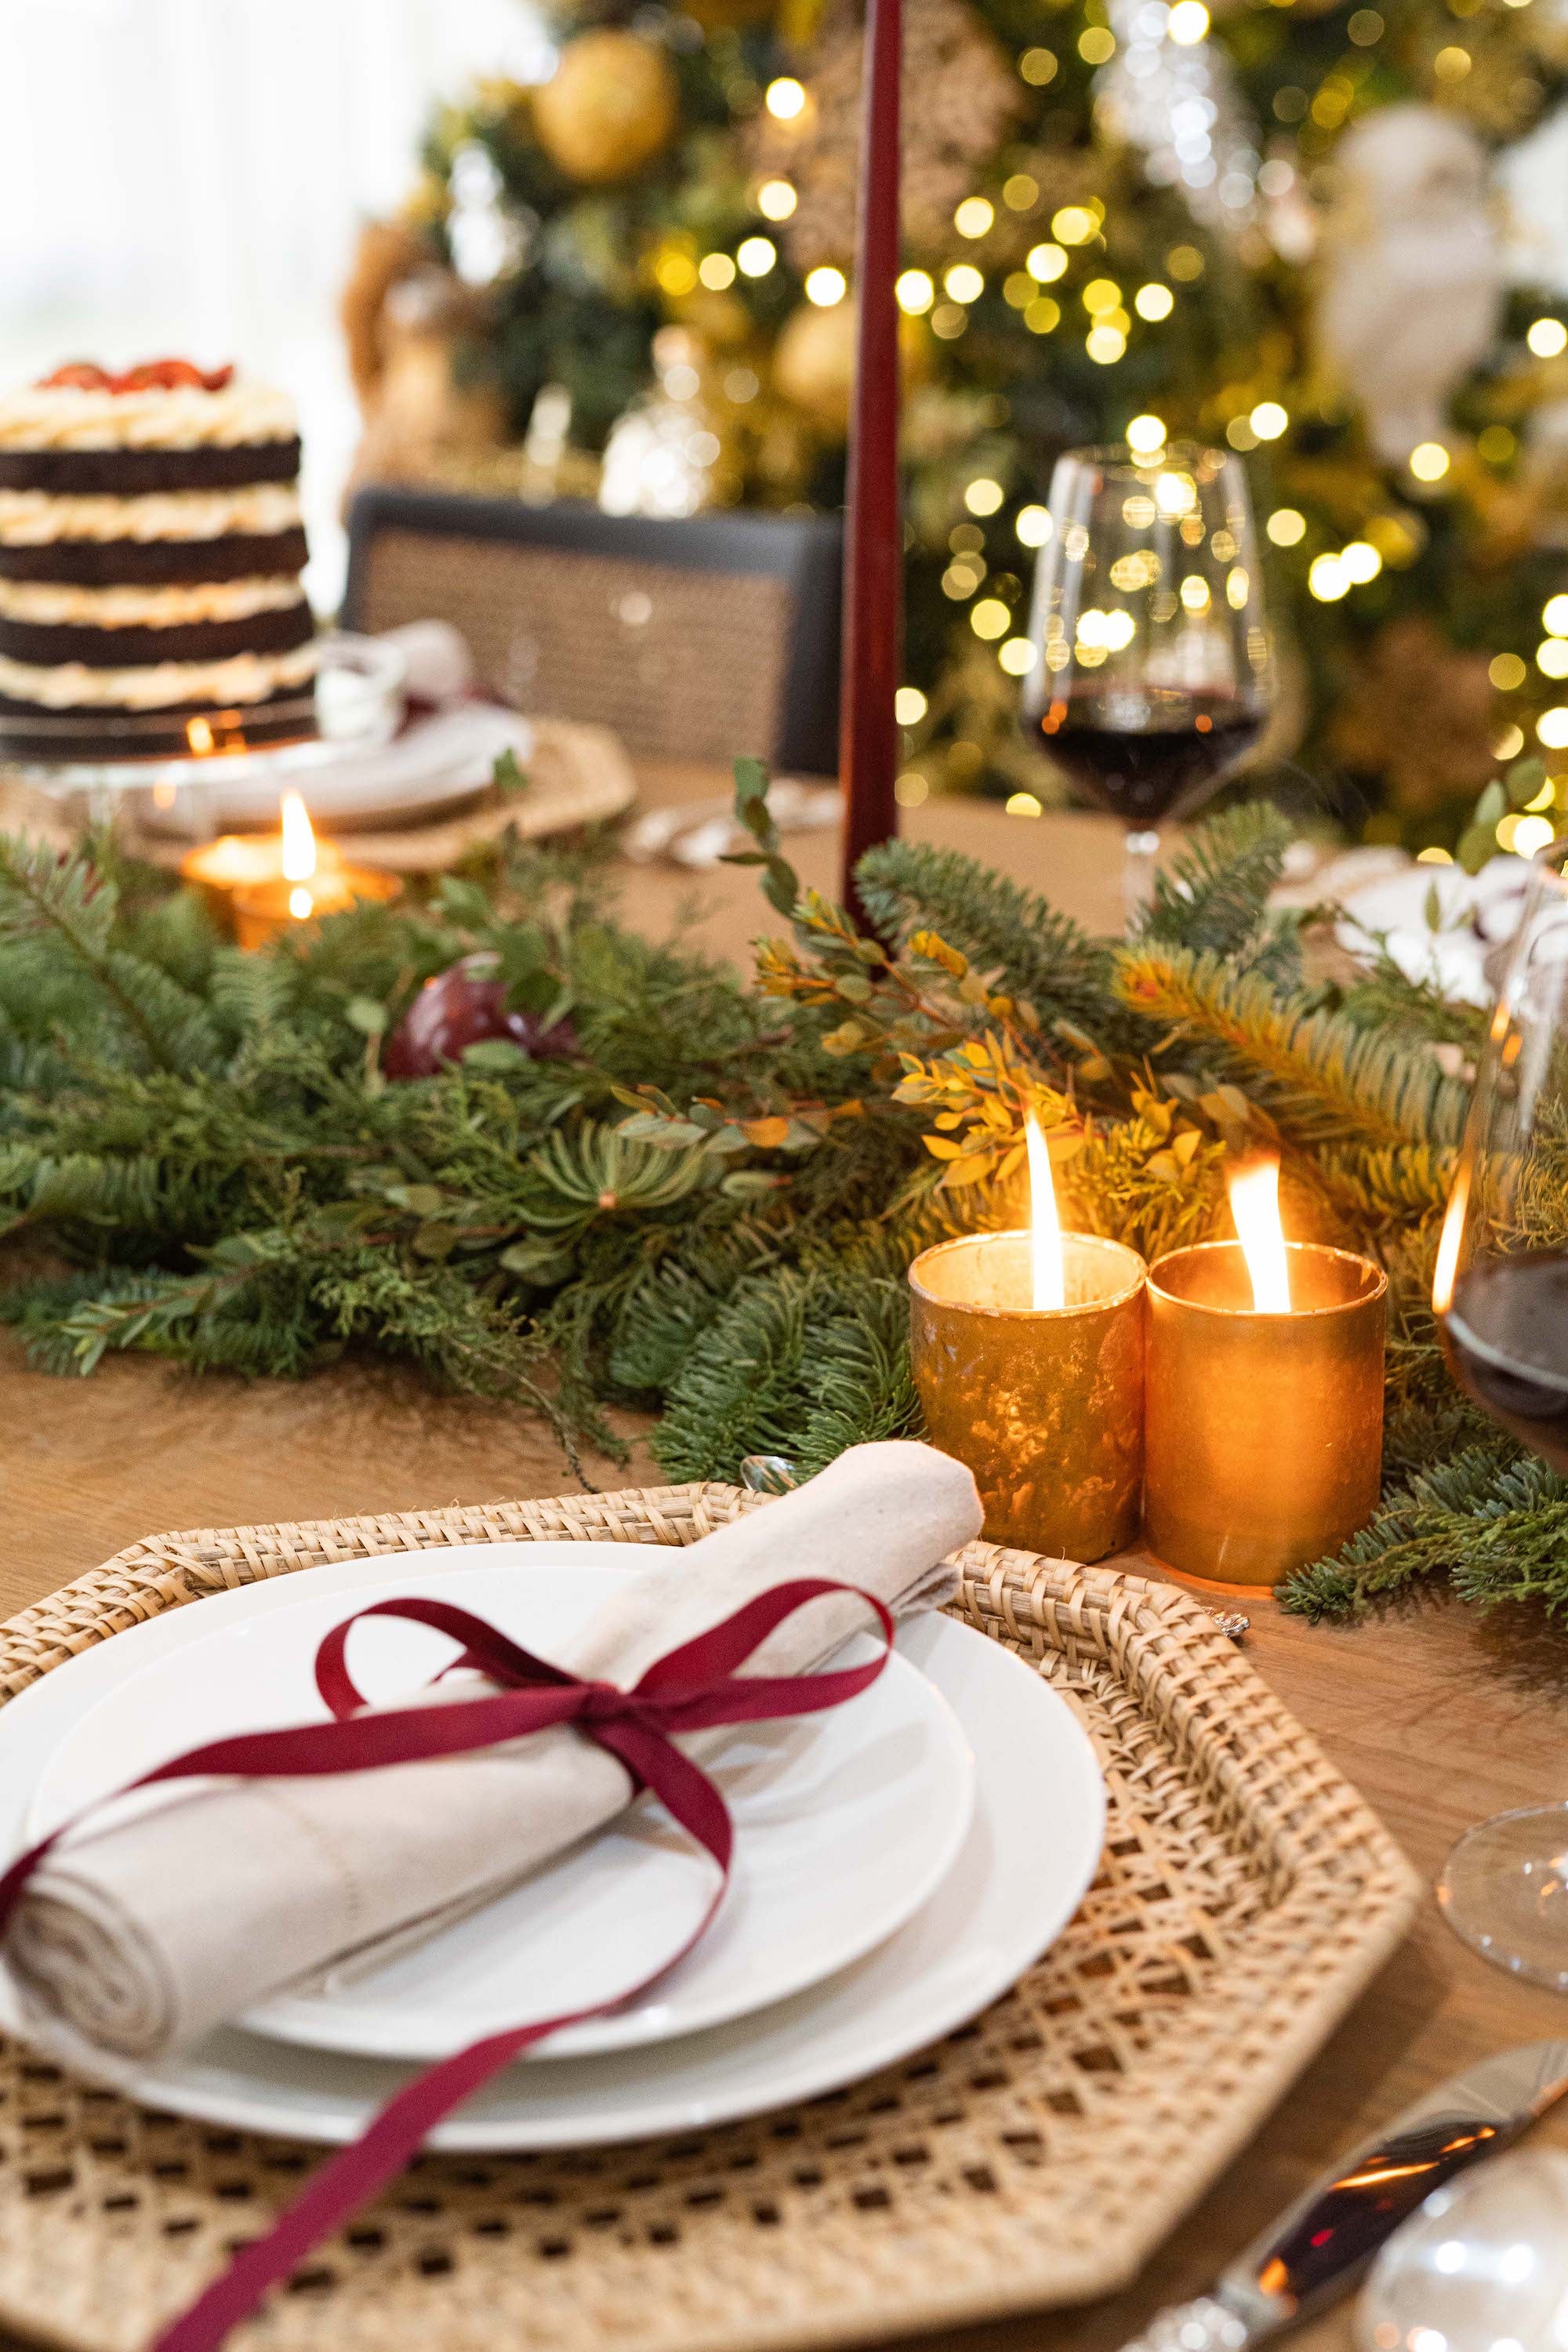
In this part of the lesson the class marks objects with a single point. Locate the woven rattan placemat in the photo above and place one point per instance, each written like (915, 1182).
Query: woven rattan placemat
(1246, 1896)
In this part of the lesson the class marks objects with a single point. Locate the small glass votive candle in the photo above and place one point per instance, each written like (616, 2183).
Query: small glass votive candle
(1263, 1430)
(1043, 1405)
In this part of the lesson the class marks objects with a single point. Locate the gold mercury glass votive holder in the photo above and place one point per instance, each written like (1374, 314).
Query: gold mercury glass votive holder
(1263, 1433)
(1043, 1405)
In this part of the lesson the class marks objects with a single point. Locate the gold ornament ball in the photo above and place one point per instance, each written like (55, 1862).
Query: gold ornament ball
(813, 361)
(609, 107)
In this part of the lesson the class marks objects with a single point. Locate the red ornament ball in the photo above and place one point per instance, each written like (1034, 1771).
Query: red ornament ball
(465, 1006)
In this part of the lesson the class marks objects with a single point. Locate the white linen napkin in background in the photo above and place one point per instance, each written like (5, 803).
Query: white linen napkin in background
(141, 1936)
(437, 667)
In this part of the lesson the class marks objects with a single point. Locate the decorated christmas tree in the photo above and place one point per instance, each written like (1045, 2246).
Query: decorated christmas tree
(1275, 229)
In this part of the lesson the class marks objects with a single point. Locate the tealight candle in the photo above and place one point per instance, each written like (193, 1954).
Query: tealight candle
(1263, 1426)
(235, 861)
(1027, 1354)
(266, 884)
(270, 909)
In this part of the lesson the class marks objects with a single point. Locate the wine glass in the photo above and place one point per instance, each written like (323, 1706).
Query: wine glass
(1153, 673)
(1501, 1294)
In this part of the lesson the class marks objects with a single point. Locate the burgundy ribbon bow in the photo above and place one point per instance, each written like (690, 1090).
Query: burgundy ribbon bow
(692, 1688)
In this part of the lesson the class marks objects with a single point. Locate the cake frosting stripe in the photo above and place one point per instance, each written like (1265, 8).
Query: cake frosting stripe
(151, 545)
(33, 518)
(59, 604)
(155, 685)
(189, 415)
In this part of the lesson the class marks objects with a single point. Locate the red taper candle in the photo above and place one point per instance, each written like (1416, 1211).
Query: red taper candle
(874, 539)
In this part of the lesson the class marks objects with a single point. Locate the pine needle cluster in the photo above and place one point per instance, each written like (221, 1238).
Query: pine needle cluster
(709, 1204)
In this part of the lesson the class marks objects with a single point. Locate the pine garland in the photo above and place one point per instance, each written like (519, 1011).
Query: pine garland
(707, 1206)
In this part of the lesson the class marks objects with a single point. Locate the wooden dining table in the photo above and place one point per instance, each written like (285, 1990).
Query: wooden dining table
(1439, 1716)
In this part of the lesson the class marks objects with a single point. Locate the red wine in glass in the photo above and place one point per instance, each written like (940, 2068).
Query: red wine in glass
(1151, 675)
(1145, 773)
(1506, 1338)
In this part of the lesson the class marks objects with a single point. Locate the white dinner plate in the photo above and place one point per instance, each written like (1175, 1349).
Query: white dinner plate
(1031, 1851)
(845, 1824)
(435, 765)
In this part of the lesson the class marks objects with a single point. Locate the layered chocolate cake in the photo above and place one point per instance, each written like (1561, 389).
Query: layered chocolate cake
(151, 547)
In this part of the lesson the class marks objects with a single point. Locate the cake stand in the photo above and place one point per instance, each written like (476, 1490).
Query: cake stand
(354, 704)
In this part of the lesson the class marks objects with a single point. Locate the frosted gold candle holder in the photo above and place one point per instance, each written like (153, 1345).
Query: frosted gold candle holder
(1043, 1405)
(1263, 1433)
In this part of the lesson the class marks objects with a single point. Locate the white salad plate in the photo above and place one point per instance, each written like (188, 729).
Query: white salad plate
(1025, 1864)
(846, 1822)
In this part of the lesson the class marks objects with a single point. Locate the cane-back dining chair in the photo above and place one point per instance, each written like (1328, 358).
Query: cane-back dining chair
(703, 639)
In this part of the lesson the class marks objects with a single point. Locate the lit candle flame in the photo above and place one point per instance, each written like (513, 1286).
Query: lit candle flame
(1254, 1205)
(1447, 1265)
(1047, 1232)
(299, 840)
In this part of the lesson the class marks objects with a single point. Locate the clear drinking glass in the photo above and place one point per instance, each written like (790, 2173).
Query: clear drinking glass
(1501, 1291)
(1153, 674)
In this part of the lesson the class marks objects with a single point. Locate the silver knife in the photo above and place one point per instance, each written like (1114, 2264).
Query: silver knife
(1320, 2246)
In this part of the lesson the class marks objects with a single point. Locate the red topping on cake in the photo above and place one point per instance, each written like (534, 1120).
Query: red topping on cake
(152, 375)
(80, 376)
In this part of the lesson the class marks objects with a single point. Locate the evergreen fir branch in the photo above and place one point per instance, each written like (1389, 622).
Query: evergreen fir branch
(157, 1313)
(1322, 1079)
(794, 1364)
(1414, 1011)
(1390, 1185)
(670, 1302)
(63, 911)
(858, 1383)
(1042, 956)
(1425, 1527)
(741, 1391)
(141, 1192)
(249, 993)
(1421, 1431)
(1213, 898)
(44, 1313)
(1519, 1550)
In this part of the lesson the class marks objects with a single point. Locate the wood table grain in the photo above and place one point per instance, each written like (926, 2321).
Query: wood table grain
(1438, 1717)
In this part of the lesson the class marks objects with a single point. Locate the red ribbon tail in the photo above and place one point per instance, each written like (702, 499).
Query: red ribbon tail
(344, 2184)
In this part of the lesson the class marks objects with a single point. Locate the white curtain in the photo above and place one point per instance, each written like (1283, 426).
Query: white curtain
(188, 177)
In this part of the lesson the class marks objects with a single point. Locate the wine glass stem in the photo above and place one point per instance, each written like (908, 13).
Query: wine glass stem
(1137, 875)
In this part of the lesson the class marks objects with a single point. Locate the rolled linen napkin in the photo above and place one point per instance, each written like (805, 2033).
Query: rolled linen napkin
(141, 1936)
